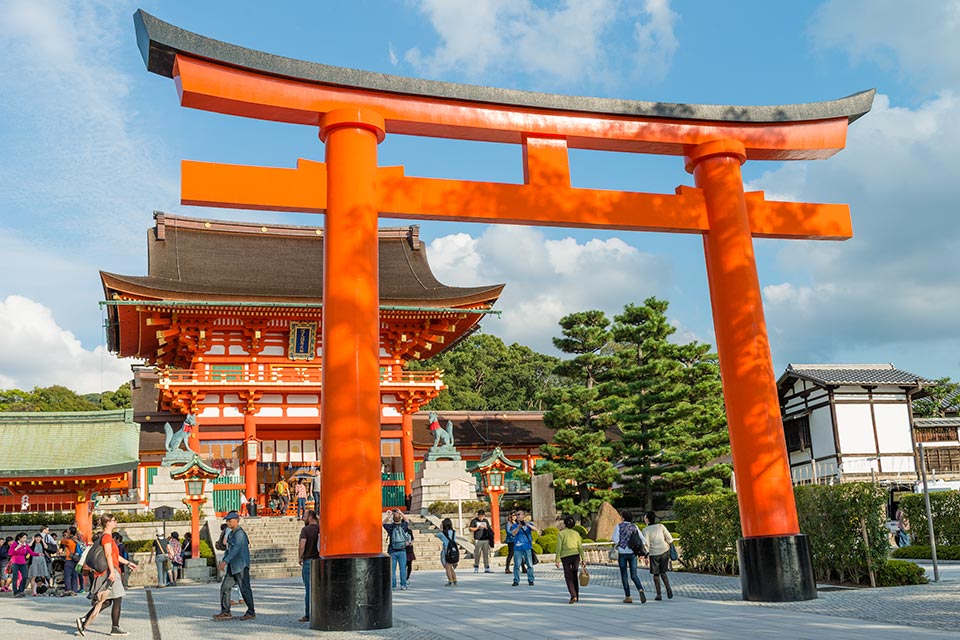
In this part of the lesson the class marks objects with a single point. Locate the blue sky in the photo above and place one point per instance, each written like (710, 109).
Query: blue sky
(90, 145)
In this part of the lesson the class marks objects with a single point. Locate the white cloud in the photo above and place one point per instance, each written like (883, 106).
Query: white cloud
(895, 282)
(920, 39)
(394, 60)
(547, 279)
(574, 41)
(36, 351)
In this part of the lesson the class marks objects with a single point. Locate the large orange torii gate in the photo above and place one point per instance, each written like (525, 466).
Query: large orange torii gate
(355, 110)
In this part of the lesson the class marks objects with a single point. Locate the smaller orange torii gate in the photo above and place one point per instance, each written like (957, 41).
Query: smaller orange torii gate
(353, 112)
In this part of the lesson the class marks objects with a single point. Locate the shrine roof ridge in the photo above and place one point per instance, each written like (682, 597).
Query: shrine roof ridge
(160, 42)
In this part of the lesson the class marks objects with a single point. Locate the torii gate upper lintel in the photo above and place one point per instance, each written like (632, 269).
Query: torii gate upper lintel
(355, 110)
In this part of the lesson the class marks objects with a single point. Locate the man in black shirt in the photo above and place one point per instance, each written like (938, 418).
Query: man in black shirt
(309, 550)
(482, 541)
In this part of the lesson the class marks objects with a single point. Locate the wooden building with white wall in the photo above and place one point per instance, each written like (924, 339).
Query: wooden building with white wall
(850, 422)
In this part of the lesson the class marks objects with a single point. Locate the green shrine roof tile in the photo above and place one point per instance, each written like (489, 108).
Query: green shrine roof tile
(87, 443)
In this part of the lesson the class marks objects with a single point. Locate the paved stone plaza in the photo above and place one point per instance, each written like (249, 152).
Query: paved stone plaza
(486, 605)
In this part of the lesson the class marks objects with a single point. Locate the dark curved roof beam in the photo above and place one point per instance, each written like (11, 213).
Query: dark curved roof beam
(779, 132)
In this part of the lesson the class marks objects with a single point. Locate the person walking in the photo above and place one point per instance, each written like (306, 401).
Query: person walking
(511, 519)
(309, 549)
(482, 540)
(4, 563)
(106, 589)
(236, 565)
(522, 532)
(315, 489)
(71, 581)
(161, 552)
(411, 554)
(282, 489)
(627, 558)
(658, 541)
(124, 567)
(449, 539)
(570, 554)
(301, 492)
(397, 533)
(19, 552)
(175, 551)
(39, 567)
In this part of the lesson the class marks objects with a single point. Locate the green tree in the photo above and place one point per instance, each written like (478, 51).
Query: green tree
(60, 398)
(944, 394)
(580, 456)
(484, 374)
(645, 393)
(119, 399)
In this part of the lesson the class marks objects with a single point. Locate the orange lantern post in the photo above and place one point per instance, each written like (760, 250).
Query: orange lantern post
(194, 475)
(493, 469)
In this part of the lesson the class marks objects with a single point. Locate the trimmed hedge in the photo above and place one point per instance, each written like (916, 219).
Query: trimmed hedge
(469, 506)
(548, 543)
(945, 507)
(898, 573)
(922, 552)
(67, 518)
(832, 517)
(551, 531)
(581, 530)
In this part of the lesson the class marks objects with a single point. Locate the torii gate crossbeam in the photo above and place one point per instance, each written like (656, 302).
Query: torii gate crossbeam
(355, 110)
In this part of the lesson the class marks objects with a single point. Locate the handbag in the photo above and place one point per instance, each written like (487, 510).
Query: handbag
(584, 576)
(536, 560)
(613, 555)
(673, 552)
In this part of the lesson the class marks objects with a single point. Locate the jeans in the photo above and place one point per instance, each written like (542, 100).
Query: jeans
(301, 508)
(284, 503)
(19, 578)
(398, 560)
(71, 581)
(520, 556)
(629, 560)
(161, 570)
(316, 503)
(305, 574)
(242, 580)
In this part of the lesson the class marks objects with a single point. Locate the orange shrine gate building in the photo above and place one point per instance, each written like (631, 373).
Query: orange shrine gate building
(230, 316)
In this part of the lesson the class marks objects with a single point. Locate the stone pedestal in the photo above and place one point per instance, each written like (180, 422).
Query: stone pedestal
(432, 482)
(197, 570)
(164, 491)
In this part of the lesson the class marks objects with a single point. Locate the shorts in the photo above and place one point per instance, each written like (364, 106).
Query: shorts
(660, 564)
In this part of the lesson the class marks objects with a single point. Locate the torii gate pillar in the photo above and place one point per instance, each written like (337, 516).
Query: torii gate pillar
(771, 543)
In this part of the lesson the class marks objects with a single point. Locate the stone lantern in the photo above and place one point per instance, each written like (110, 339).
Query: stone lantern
(493, 468)
(194, 474)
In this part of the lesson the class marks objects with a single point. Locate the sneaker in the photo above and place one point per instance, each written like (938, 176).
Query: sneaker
(403, 587)
(507, 571)
(476, 569)
(80, 626)
(643, 597)
(304, 619)
(529, 584)
(222, 616)
(248, 616)
(628, 600)
(487, 571)
(117, 631)
(658, 598)
(516, 584)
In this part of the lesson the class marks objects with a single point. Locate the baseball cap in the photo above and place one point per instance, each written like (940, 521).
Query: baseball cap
(233, 515)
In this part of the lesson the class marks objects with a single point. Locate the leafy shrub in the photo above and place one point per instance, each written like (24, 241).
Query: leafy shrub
(469, 506)
(586, 540)
(36, 519)
(503, 551)
(922, 552)
(550, 531)
(896, 573)
(945, 507)
(537, 548)
(832, 516)
(548, 543)
(710, 526)
(581, 530)
(671, 525)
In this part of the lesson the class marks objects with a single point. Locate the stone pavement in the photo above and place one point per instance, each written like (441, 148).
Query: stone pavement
(486, 605)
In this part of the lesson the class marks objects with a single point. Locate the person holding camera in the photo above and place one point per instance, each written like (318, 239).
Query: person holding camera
(522, 532)
(482, 541)
(398, 534)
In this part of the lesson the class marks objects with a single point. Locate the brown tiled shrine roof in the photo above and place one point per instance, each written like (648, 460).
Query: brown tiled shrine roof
(491, 428)
(197, 259)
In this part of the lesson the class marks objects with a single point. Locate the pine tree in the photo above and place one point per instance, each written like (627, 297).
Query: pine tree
(580, 455)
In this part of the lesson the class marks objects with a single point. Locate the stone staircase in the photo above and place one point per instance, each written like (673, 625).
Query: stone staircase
(274, 544)
(427, 546)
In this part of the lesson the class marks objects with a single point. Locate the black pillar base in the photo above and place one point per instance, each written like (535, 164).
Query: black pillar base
(351, 593)
(776, 569)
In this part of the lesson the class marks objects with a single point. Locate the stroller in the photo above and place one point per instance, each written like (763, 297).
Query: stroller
(56, 585)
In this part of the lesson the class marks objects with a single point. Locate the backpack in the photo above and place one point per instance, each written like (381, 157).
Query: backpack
(452, 554)
(398, 538)
(220, 544)
(77, 556)
(95, 557)
(636, 543)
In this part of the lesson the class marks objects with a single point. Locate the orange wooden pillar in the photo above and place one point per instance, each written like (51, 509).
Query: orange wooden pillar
(83, 516)
(250, 445)
(761, 465)
(406, 453)
(350, 495)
